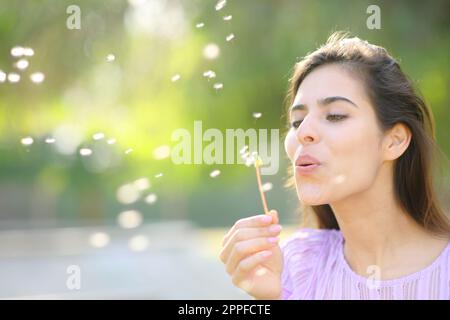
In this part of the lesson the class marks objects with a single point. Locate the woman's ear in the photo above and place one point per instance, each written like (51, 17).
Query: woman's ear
(396, 141)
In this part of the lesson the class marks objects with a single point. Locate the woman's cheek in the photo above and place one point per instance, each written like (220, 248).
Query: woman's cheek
(290, 144)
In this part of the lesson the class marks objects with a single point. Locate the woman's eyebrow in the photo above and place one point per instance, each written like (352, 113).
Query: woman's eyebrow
(323, 102)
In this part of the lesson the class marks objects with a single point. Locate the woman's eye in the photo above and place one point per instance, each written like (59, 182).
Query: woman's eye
(336, 117)
(295, 124)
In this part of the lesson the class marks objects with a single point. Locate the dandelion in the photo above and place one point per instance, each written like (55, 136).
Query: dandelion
(175, 77)
(209, 74)
(98, 136)
(22, 64)
(85, 152)
(13, 77)
(220, 5)
(27, 141)
(218, 86)
(230, 37)
(255, 160)
(214, 173)
(37, 77)
(211, 51)
(151, 198)
(129, 219)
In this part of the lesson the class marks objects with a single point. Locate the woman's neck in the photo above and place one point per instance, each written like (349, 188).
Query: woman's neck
(377, 231)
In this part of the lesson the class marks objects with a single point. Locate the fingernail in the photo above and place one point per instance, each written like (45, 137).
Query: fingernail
(275, 228)
(266, 219)
(273, 239)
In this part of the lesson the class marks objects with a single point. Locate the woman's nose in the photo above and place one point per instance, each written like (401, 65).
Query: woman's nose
(307, 131)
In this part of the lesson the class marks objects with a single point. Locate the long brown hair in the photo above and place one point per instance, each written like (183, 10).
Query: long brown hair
(395, 101)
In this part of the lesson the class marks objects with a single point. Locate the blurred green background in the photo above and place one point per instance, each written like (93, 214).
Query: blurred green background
(134, 223)
(133, 99)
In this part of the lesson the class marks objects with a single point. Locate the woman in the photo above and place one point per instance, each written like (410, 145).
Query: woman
(361, 143)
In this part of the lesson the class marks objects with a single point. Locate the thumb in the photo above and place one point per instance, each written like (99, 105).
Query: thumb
(274, 214)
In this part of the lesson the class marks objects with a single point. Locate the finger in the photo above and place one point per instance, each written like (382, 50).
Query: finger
(248, 264)
(250, 222)
(245, 248)
(274, 215)
(247, 234)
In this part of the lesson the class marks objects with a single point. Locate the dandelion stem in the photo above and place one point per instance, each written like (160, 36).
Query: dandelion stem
(260, 187)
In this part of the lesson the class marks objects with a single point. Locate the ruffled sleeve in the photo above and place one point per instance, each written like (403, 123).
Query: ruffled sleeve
(302, 253)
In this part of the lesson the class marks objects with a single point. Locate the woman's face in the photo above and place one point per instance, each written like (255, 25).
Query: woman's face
(333, 121)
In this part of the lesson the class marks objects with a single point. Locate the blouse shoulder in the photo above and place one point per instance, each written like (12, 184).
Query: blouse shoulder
(304, 252)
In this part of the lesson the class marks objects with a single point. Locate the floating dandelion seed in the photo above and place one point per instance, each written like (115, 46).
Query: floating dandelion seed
(243, 150)
(138, 243)
(22, 64)
(37, 77)
(220, 5)
(2, 76)
(99, 239)
(98, 136)
(151, 198)
(110, 57)
(13, 77)
(267, 186)
(85, 152)
(127, 193)
(209, 74)
(218, 86)
(257, 115)
(200, 25)
(50, 140)
(230, 37)
(128, 151)
(142, 184)
(17, 51)
(161, 152)
(111, 141)
(28, 52)
(228, 18)
(129, 219)
(159, 175)
(27, 141)
(214, 173)
(211, 51)
(175, 77)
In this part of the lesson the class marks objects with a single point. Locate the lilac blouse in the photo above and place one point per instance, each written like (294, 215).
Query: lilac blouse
(315, 268)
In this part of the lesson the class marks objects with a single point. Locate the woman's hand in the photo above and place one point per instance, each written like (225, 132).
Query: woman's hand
(252, 255)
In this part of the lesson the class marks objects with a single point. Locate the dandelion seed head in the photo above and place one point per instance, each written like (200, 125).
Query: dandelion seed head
(37, 77)
(13, 77)
(220, 5)
(22, 64)
(175, 77)
(214, 173)
(211, 51)
(138, 243)
(218, 86)
(85, 152)
(99, 239)
(161, 152)
(151, 198)
(129, 219)
(98, 136)
(27, 141)
(230, 37)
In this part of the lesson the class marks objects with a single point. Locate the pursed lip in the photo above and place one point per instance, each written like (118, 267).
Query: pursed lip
(305, 159)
